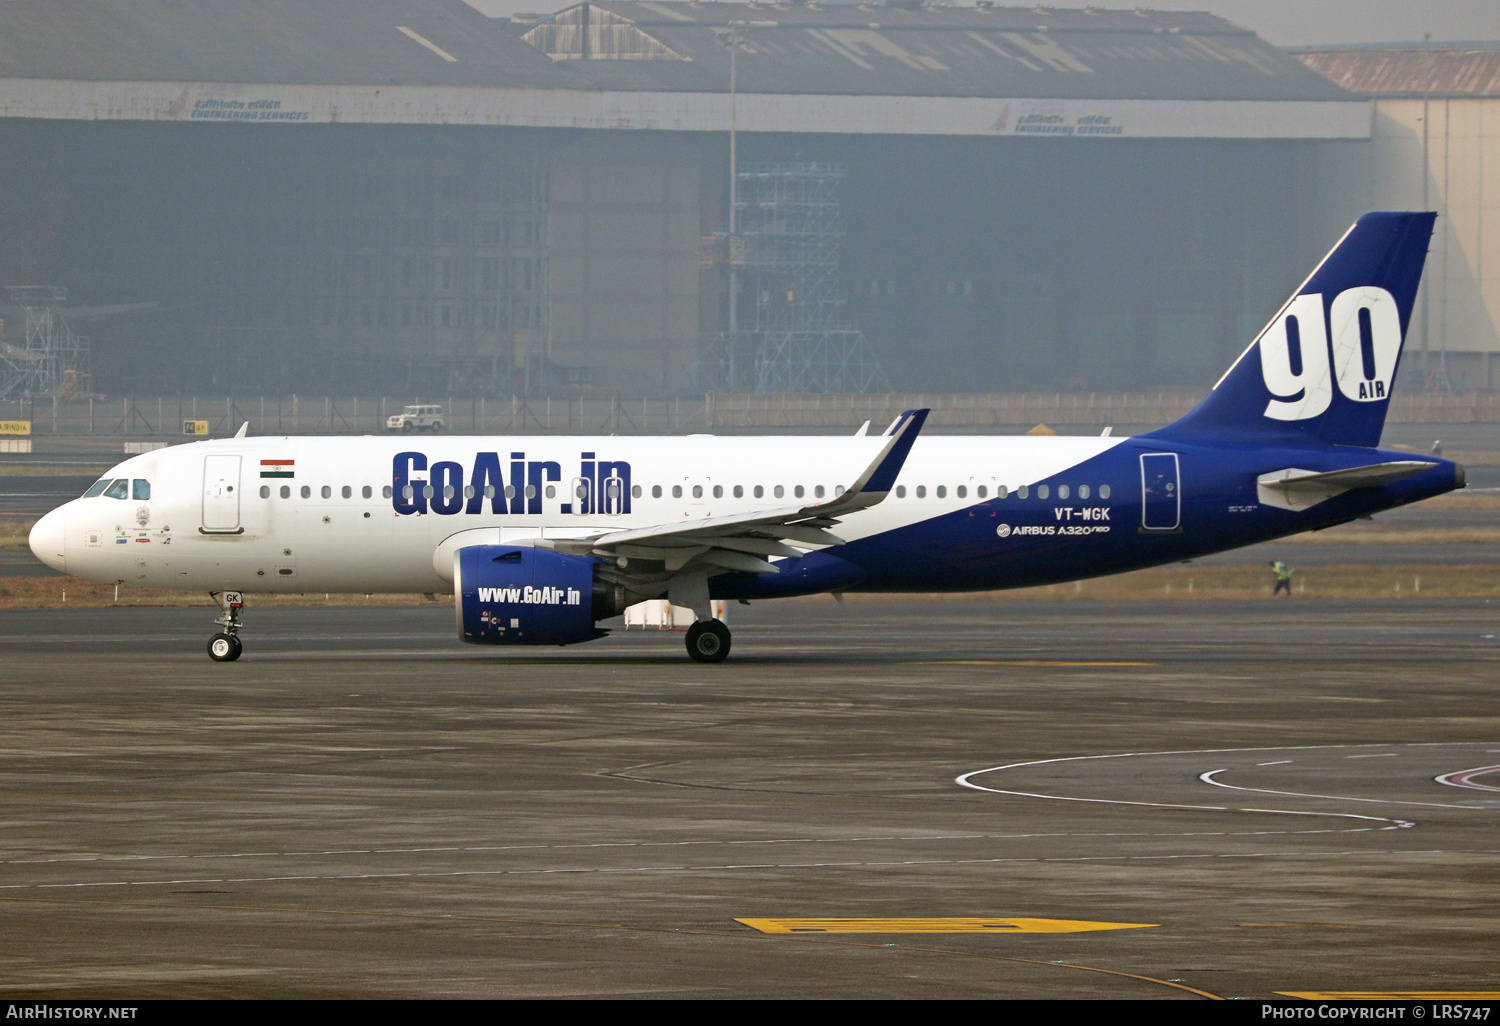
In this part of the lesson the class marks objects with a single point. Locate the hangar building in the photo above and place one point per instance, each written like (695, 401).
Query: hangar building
(1434, 145)
(365, 196)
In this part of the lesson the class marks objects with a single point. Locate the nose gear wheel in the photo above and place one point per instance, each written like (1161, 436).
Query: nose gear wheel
(224, 648)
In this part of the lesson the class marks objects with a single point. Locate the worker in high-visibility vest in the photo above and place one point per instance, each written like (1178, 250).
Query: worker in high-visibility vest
(1283, 578)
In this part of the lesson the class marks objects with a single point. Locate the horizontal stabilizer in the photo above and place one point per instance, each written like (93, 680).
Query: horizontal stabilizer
(1296, 489)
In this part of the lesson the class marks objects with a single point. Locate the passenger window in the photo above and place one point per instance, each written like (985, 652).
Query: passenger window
(1042, 491)
(1062, 491)
(921, 491)
(96, 488)
(327, 492)
(961, 491)
(635, 491)
(1104, 491)
(739, 491)
(1083, 491)
(366, 492)
(656, 491)
(265, 491)
(427, 491)
(306, 492)
(140, 488)
(838, 490)
(942, 491)
(818, 492)
(759, 491)
(510, 491)
(408, 493)
(797, 491)
(551, 491)
(1023, 492)
(982, 491)
(677, 491)
(385, 493)
(286, 491)
(778, 491)
(718, 491)
(531, 491)
(697, 491)
(901, 491)
(348, 492)
(117, 489)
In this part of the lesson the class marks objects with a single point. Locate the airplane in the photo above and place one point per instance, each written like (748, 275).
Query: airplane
(538, 539)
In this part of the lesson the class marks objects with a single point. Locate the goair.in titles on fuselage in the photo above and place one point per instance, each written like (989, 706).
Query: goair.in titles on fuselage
(516, 486)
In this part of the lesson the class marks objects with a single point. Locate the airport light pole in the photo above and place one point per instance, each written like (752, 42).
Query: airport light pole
(732, 38)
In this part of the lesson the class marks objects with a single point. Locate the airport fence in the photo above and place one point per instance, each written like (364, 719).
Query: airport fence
(174, 417)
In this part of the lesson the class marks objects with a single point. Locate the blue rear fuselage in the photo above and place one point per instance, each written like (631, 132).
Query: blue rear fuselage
(1018, 542)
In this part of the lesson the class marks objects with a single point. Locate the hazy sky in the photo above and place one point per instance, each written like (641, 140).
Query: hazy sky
(1321, 22)
(1283, 22)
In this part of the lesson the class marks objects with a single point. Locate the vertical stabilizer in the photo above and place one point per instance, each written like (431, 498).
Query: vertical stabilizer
(1325, 364)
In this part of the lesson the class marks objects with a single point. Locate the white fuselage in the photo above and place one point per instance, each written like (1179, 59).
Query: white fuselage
(282, 514)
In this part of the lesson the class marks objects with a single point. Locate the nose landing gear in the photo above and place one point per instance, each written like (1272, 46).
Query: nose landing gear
(225, 646)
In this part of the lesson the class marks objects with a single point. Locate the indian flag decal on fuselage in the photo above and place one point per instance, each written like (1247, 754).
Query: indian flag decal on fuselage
(278, 468)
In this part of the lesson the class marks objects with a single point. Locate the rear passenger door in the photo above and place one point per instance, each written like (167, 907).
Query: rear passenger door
(1161, 492)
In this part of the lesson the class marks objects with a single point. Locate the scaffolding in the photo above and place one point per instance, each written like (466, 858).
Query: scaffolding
(784, 257)
(54, 361)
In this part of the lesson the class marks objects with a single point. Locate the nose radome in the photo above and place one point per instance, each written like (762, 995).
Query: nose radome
(46, 540)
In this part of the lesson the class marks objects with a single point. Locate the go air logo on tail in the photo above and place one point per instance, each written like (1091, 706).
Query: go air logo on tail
(1303, 352)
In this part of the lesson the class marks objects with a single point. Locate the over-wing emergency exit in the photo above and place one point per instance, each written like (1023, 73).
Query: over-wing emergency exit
(540, 539)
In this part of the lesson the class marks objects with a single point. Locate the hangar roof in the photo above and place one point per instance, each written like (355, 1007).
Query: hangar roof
(637, 45)
(907, 49)
(302, 42)
(867, 68)
(1411, 71)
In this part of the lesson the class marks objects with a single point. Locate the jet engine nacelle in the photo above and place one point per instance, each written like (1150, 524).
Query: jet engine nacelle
(520, 595)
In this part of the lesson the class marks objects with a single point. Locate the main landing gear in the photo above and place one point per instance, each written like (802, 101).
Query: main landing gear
(225, 646)
(708, 641)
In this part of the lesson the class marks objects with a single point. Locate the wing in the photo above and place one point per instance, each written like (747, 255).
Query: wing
(647, 559)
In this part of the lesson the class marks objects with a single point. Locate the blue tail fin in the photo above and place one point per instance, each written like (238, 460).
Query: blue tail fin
(1324, 366)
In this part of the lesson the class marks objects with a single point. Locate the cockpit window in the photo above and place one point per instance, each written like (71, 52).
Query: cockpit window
(140, 488)
(96, 488)
(119, 489)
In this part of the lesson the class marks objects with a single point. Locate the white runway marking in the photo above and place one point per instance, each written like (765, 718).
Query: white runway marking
(1207, 778)
(1465, 778)
(967, 780)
